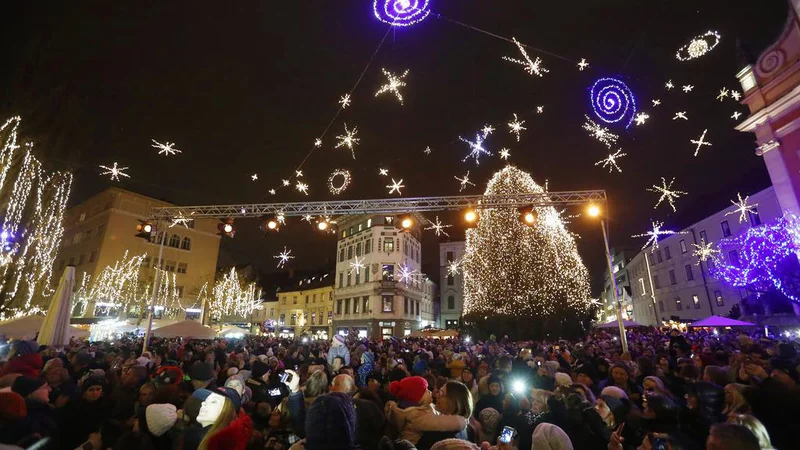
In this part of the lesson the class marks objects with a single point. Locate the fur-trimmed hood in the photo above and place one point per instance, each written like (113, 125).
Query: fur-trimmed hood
(235, 436)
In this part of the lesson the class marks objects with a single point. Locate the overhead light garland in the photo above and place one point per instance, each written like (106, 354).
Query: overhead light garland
(700, 142)
(464, 182)
(401, 13)
(653, 235)
(283, 257)
(348, 139)
(611, 161)
(476, 148)
(705, 252)
(699, 46)
(532, 66)
(612, 101)
(667, 193)
(396, 186)
(115, 172)
(438, 228)
(600, 132)
(344, 101)
(515, 126)
(393, 85)
(680, 115)
(166, 149)
(742, 207)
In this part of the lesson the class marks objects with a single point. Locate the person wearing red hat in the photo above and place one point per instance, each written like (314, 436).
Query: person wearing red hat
(415, 420)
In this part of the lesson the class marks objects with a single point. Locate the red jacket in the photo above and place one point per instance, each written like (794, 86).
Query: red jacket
(29, 365)
(235, 436)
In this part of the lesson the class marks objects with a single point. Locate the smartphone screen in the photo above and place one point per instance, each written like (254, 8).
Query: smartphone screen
(284, 377)
(659, 444)
(275, 392)
(507, 435)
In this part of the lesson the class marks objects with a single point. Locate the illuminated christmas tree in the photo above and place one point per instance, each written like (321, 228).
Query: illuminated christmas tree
(529, 278)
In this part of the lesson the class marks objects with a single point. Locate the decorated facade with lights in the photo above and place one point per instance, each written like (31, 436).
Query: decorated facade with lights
(305, 307)
(451, 285)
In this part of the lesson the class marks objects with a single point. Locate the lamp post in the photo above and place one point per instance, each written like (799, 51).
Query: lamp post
(594, 211)
(156, 286)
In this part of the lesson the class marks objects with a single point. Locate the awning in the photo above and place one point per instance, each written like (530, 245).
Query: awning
(717, 321)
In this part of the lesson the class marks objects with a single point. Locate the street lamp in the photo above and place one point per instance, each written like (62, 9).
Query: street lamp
(594, 211)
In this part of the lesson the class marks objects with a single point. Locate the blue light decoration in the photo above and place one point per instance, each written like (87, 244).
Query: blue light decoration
(763, 254)
(613, 101)
(401, 13)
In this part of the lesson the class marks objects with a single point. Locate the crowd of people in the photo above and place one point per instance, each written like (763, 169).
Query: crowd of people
(671, 390)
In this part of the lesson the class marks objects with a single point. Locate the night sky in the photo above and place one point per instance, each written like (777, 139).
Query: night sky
(245, 87)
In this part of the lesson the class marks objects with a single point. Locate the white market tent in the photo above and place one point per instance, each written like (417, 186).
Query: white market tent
(614, 324)
(187, 329)
(27, 327)
(717, 321)
(232, 330)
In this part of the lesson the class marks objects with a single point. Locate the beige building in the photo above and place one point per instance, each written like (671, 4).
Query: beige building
(305, 309)
(100, 230)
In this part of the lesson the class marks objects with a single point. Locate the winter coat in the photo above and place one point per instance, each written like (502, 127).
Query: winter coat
(80, 418)
(29, 365)
(41, 419)
(193, 436)
(365, 369)
(235, 436)
(412, 422)
(339, 351)
(489, 401)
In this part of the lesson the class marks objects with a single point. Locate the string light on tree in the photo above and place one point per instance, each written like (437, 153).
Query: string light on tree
(688, 88)
(464, 182)
(515, 126)
(699, 46)
(611, 161)
(583, 64)
(680, 115)
(654, 235)
(612, 101)
(743, 208)
(704, 252)
(401, 13)
(344, 101)
(600, 133)
(348, 139)
(393, 85)
(396, 186)
(641, 118)
(115, 171)
(286, 182)
(356, 266)
(335, 187)
(532, 66)
(476, 148)
(438, 228)
(505, 153)
(301, 187)
(283, 257)
(667, 193)
(700, 142)
(722, 94)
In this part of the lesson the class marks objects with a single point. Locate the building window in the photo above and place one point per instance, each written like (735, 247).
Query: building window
(339, 307)
(369, 223)
(678, 304)
(186, 244)
(272, 312)
(388, 272)
(294, 299)
(388, 245)
(655, 282)
(330, 317)
(689, 272)
(341, 255)
(661, 305)
(451, 302)
(672, 279)
(718, 297)
(77, 238)
(696, 301)
(182, 267)
(683, 246)
(93, 256)
(734, 257)
(658, 256)
(449, 256)
(388, 303)
(405, 305)
(358, 249)
(368, 246)
(306, 299)
(88, 234)
(667, 253)
(81, 259)
(358, 278)
(341, 279)
(313, 318)
(294, 319)
(347, 306)
(170, 266)
(350, 252)
(450, 280)
(726, 229)
(174, 241)
(417, 308)
(365, 309)
(349, 279)
(283, 300)
(366, 274)
(703, 237)
(283, 319)
(755, 219)
(356, 305)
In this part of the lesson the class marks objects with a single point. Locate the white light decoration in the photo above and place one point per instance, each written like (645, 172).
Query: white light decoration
(582, 64)
(348, 139)
(401, 13)
(654, 234)
(231, 298)
(699, 46)
(742, 208)
(656, 102)
(722, 94)
(254, 177)
(508, 266)
(356, 266)
(344, 101)
(337, 187)
(280, 217)
(539, 109)
(453, 268)
(611, 161)
(515, 126)
(396, 186)
(308, 218)
(505, 153)
(688, 88)
(383, 172)
(667, 193)
(532, 66)
(405, 274)
(271, 192)
(181, 219)
(438, 228)
(464, 182)
(118, 286)
(476, 148)
(680, 115)
(487, 130)
(669, 85)
(115, 171)
(301, 187)
(393, 85)
(286, 182)
(700, 142)
(427, 150)
(317, 143)
(736, 115)
(167, 148)
(736, 95)
(641, 118)
(283, 257)
(600, 133)
(704, 252)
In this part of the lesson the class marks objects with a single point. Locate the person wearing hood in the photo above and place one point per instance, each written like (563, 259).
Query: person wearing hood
(84, 415)
(338, 348)
(24, 359)
(494, 399)
(366, 367)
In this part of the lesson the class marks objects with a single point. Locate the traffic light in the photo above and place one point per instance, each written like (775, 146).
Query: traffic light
(225, 227)
(144, 230)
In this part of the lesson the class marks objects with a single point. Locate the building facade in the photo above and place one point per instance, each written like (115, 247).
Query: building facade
(101, 229)
(380, 291)
(452, 286)
(671, 283)
(619, 265)
(306, 308)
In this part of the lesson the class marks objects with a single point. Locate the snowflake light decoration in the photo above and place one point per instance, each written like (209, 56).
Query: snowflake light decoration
(654, 234)
(687, 88)
(699, 46)
(700, 142)
(532, 66)
(464, 182)
(742, 208)
(583, 64)
(656, 102)
(476, 148)
(383, 172)
(283, 257)
(401, 13)
(308, 218)
(611, 161)
(298, 173)
(515, 126)
(680, 115)
(704, 252)
(641, 118)
(396, 186)
(341, 186)
(348, 139)
(344, 101)
(722, 94)
(302, 187)
(505, 153)
(405, 274)
(254, 177)
(438, 228)
(393, 85)
(736, 115)
(427, 150)
(669, 85)
(165, 149)
(736, 95)
(539, 109)
(271, 192)
(317, 143)
(356, 266)
(115, 172)
(667, 193)
(453, 268)
(286, 182)
(600, 133)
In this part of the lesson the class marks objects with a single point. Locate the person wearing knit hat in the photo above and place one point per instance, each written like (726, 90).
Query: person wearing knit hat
(614, 391)
(563, 379)
(547, 436)
(409, 391)
(331, 423)
(489, 419)
(24, 359)
(159, 418)
(414, 420)
(84, 415)
(168, 374)
(338, 348)
(454, 444)
(26, 386)
(13, 424)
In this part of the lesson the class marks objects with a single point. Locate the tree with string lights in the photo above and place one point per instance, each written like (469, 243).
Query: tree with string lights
(525, 278)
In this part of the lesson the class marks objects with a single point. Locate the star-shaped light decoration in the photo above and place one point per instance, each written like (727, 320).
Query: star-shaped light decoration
(286, 182)
(667, 193)
(181, 219)
(427, 150)
(280, 217)
(348, 139)
(405, 274)
(582, 64)
(356, 266)
(464, 181)
(600, 133)
(453, 268)
(394, 84)
(736, 95)
(283, 257)
(344, 101)
(165, 149)
(487, 130)
(742, 207)
(317, 143)
(722, 94)
(611, 161)
(298, 173)
(254, 177)
(687, 88)
(736, 115)
(115, 172)
(396, 186)
(704, 252)
(271, 192)
(308, 218)
(539, 109)
(641, 118)
(700, 142)
(438, 228)
(656, 102)
(476, 148)
(532, 66)
(505, 153)
(302, 187)
(515, 126)
(669, 85)
(654, 235)
(680, 115)
(383, 172)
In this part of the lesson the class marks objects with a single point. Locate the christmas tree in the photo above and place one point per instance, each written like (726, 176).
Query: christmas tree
(528, 278)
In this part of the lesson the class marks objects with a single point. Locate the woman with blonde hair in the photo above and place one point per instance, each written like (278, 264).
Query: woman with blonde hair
(735, 403)
(228, 427)
(756, 427)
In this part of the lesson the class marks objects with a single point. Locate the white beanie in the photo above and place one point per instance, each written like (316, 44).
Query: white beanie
(563, 379)
(613, 391)
(262, 358)
(232, 371)
(269, 352)
(547, 436)
(160, 418)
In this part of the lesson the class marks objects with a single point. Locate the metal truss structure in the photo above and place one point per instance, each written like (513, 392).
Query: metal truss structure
(380, 206)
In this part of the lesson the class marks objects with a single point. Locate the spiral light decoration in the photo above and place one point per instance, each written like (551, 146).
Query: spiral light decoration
(613, 101)
(401, 13)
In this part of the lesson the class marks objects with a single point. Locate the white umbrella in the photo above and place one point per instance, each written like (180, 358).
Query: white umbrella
(55, 328)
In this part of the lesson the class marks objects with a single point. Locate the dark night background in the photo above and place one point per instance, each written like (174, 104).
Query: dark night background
(244, 87)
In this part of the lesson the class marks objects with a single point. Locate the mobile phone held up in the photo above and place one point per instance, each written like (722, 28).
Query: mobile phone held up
(507, 434)
(286, 377)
